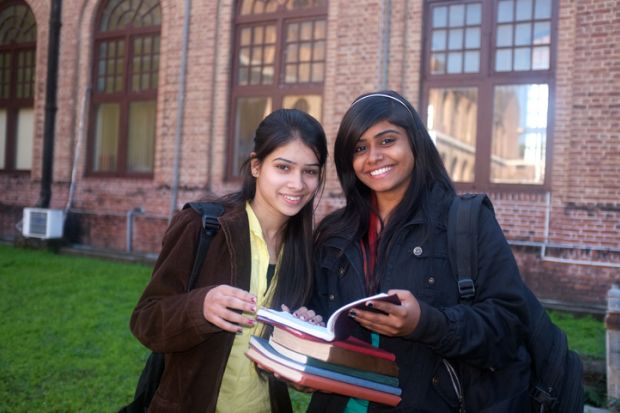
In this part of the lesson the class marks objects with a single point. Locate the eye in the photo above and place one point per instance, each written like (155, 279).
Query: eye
(311, 172)
(387, 140)
(359, 149)
(283, 167)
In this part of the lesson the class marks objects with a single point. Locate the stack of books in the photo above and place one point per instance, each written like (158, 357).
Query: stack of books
(327, 358)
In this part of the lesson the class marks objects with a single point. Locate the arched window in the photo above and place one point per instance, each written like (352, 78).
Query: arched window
(18, 34)
(278, 61)
(125, 78)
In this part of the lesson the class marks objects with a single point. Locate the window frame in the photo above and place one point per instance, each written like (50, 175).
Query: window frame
(485, 82)
(277, 90)
(12, 104)
(123, 98)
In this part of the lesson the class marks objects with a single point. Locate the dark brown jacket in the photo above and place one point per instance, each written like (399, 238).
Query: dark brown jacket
(169, 320)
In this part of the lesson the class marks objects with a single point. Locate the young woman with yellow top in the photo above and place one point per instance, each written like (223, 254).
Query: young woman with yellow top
(261, 256)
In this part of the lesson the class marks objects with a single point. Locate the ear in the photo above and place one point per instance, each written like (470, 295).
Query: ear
(254, 165)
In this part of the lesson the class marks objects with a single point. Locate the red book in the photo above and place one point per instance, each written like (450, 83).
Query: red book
(320, 383)
(350, 343)
(330, 352)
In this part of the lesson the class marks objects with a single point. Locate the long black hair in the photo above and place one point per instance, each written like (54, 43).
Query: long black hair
(294, 279)
(428, 170)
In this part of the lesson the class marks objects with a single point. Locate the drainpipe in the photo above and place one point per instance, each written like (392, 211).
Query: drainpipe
(129, 232)
(176, 170)
(385, 49)
(214, 106)
(53, 50)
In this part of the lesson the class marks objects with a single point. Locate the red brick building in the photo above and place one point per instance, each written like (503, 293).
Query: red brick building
(156, 101)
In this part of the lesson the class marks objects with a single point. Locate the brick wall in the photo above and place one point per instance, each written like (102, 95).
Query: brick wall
(580, 213)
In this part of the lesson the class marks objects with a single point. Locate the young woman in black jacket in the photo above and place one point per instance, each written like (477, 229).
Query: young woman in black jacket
(391, 237)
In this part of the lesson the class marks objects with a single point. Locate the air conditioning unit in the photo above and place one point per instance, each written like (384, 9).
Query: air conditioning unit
(43, 223)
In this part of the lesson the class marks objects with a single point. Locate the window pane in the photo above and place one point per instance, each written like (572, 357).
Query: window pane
(250, 112)
(523, 58)
(503, 60)
(141, 140)
(106, 137)
(542, 33)
(542, 9)
(451, 121)
(523, 34)
(455, 62)
(2, 137)
(504, 35)
(439, 40)
(311, 104)
(440, 17)
(505, 11)
(524, 10)
(472, 38)
(438, 63)
(519, 134)
(457, 15)
(474, 14)
(25, 133)
(540, 58)
(455, 39)
(472, 62)
(305, 54)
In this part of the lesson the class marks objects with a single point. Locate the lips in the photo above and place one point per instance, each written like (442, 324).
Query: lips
(381, 171)
(293, 199)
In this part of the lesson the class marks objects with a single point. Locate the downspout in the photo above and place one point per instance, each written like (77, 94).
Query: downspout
(385, 49)
(403, 75)
(216, 39)
(53, 50)
(180, 111)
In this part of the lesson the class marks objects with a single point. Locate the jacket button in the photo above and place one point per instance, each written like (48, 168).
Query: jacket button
(435, 380)
(417, 251)
(431, 280)
(331, 297)
(341, 270)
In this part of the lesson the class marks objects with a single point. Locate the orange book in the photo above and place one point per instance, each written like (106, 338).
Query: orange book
(320, 383)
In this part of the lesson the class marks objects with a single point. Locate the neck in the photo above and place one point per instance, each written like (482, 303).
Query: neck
(386, 204)
(271, 226)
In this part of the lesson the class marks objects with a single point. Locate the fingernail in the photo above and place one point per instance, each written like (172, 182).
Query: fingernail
(251, 322)
(253, 308)
(302, 318)
(352, 314)
(369, 304)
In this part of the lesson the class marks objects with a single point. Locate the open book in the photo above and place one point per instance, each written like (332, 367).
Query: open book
(339, 325)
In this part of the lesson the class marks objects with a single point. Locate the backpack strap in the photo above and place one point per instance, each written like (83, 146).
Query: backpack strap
(463, 241)
(210, 212)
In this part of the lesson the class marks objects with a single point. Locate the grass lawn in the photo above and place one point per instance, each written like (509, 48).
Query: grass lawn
(66, 345)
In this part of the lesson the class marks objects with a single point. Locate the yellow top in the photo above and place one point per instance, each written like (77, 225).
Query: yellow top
(242, 390)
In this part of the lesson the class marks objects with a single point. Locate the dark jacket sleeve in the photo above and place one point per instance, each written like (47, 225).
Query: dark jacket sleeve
(167, 318)
(488, 332)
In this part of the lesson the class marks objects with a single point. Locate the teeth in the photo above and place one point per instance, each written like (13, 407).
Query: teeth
(380, 171)
(292, 198)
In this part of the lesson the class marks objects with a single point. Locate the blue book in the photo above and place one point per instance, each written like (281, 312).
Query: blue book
(266, 349)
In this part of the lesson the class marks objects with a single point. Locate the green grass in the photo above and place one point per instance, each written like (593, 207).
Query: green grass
(65, 344)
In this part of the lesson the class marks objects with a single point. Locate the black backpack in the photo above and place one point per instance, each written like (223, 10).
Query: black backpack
(154, 368)
(557, 372)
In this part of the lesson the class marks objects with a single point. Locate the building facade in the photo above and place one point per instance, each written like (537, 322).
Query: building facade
(157, 100)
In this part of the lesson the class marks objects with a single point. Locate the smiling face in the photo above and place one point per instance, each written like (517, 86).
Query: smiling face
(286, 180)
(383, 160)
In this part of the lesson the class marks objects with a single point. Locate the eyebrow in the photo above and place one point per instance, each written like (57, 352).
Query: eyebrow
(383, 132)
(295, 163)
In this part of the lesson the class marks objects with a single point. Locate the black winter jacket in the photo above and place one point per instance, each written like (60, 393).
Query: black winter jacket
(482, 341)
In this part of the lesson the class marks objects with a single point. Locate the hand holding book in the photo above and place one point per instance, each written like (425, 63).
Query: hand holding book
(395, 320)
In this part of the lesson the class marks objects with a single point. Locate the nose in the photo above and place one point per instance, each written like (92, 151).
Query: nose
(374, 154)
(296, 181)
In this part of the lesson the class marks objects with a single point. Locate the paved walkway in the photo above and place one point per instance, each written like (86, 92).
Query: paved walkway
(590, 409)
